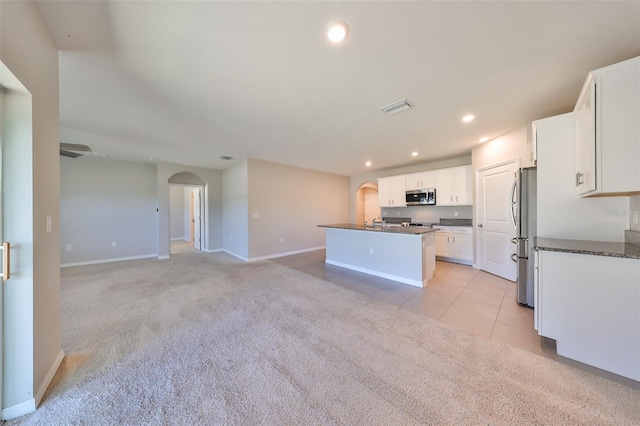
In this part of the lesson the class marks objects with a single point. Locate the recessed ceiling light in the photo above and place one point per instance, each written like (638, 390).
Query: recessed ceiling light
(337, 31)
(483, 139)
(468, 118)
(414, 154)
(368, 163)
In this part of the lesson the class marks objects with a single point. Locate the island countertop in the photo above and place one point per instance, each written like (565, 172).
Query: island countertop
(407, 230)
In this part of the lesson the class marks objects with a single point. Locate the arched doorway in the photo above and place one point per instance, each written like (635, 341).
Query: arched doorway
(186, 211)
(367, 207)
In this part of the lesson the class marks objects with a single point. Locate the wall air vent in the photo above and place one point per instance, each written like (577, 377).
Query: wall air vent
(225, 157)
(396, 107)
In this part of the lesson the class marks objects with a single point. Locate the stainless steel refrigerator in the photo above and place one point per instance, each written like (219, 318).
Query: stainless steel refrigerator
(524, 217)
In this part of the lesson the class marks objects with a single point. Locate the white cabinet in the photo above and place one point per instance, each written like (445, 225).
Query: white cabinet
(453, 186)
(443, 244)
(591, 306)
(391, 191)
(424, 180)
(607, 141)
(455, 243)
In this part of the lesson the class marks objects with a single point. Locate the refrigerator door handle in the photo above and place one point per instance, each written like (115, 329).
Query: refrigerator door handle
(514, 202)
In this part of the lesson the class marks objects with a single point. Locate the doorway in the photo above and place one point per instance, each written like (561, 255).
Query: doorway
(367, 207)
(493, 219)
(186, 217)
(16, 226)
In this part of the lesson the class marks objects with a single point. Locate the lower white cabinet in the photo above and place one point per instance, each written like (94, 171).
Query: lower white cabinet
(455, 243)
(591, 306)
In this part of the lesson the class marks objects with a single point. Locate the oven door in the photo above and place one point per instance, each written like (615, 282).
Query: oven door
(415, 198)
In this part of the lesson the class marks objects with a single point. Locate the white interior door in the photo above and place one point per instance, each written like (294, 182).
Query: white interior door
(2, 264)
(371, 208)
(197, 219)
(493, 220)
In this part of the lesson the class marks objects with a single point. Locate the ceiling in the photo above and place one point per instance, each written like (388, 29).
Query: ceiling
(187, 82)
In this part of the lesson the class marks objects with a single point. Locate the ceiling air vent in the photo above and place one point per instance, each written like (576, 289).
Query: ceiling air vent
(396, 107)
(225, 157)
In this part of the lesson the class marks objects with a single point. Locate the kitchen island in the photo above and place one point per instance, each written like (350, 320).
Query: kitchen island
(403, 254)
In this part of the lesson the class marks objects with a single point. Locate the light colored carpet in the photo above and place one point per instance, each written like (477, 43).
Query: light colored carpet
(206, 339)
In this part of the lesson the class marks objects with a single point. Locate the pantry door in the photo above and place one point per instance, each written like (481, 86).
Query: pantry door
(4, 247)
(494, 225)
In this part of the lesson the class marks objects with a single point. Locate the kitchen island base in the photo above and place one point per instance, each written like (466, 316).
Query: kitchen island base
(409, 258)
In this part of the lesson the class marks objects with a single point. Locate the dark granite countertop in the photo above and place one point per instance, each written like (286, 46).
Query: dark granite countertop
(407, 230)
(596, 248)
(454, 222)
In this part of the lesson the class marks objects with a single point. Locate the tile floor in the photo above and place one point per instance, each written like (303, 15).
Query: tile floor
(459, 295)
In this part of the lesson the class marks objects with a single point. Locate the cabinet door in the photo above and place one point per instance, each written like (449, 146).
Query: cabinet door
(384, 192)
(462, 192)
(461, 247)
(427, 180)
(585, 139)
(413, 181)
(443, 241)
(398, 191)
(444, 187)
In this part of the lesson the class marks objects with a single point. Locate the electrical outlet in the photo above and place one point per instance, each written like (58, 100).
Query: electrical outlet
(455, 214)
(113, 244)
(371, 251)
(635, 217)
(68, 247)
(281, 239)
(256, 215)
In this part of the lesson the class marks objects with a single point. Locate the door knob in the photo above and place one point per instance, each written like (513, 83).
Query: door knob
(479, 225)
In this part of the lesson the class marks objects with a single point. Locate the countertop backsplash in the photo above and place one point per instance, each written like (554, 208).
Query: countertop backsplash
(429, 214)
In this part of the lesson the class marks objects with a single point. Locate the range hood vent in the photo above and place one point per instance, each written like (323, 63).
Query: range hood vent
(396, 107)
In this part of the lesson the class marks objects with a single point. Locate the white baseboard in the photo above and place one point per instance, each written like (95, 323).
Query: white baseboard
(166, 256)
(235, 255)
(403, 280)
(288, 253)
(271, 256)
(180, 239)
(19, 410)
(116, 259)
(49, 377)
(213, 251)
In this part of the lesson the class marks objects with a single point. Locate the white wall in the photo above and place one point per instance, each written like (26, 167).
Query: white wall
(562, 214)
(236, 209)
(291, 202)
(514, 144)
(28, 51)
(102, 201)
(417, 213)
(179, 212)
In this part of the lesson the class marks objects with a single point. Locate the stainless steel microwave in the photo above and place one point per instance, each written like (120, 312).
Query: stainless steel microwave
(421, 197)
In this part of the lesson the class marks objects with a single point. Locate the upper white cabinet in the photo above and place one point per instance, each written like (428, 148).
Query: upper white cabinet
(607, 141)
(422, 180)
(453, 186)
(391, 191)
